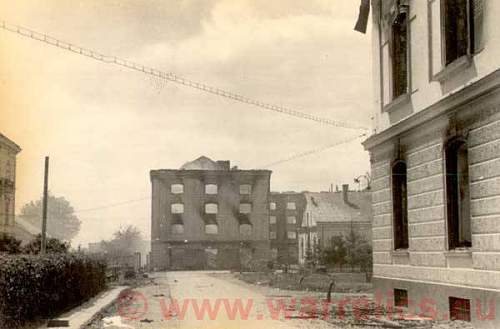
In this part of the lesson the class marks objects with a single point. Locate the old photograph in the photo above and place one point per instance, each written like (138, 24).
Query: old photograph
(284, 164)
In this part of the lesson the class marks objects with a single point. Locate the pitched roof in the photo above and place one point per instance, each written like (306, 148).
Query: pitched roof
(330, 206)
(203, 163)
(6, 141)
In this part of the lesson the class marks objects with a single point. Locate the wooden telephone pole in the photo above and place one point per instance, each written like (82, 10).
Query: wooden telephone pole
(44, 214)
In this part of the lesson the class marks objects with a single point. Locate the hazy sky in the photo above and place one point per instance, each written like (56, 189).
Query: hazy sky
(105, 127)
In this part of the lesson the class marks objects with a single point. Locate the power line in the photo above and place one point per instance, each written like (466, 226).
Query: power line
(310, 152)
(167, 76)
(112, 205)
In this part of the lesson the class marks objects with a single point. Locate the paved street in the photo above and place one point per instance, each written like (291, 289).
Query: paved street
(208, 300)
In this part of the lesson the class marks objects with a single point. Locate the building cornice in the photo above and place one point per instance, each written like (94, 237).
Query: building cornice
(9, 143)
(469, 93)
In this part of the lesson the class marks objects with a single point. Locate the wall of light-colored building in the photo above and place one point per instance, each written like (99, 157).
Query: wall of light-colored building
(470, 102)
(426, 91)
(8, 153)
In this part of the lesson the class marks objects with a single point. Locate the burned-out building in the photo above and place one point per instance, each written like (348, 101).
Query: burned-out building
(435, 157)
(209, 215)
(333, 214)
(286, 210)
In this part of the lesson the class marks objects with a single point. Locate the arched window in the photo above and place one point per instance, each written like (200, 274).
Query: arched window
(400, 205)
(457, 194)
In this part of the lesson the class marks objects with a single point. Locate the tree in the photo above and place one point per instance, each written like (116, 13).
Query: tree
(125, 242)
(62, 223)
(360, 252)
(336, 253)
(52, 246)
(9, 244)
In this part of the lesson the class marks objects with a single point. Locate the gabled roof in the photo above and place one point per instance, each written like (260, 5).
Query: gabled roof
(202, 163)
(330, 207)
(6, 141)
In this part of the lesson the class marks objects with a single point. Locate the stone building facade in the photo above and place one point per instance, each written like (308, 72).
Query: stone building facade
(8, 153)
(333, 214)
(435, 157)
(207, 215)
(286, 211)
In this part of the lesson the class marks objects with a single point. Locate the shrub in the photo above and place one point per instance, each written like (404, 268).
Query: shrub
(52, 246)
(9, 244)
(34, 287)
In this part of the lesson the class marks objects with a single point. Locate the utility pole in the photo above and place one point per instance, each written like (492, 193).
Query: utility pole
(44, 214)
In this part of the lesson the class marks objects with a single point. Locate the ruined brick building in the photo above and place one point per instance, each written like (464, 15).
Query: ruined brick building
(286, 211)
(435, 156)
(209, 215)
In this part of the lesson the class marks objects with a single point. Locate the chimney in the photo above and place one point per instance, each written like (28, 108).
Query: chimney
(345, 191)
(223, 164)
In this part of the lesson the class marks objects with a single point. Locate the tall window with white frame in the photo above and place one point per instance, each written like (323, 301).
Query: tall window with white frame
(400, 205)
(457, 194)
(399, 53)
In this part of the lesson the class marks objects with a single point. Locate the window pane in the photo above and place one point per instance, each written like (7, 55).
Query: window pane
(400, 56)
(177, 188)
(272, 206)
(272, 235)
(245, 189)
(290, 205)
(177, 229)
(245, 208)
(400, 205)
(177, 208)
(291, 220)
(456, 32)
(272, 219)
(458, 195)
(211, 208)
(292, 235)
(211, 189)
(211, 229)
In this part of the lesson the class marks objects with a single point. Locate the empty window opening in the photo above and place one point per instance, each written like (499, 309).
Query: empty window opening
(177, 229)
(177, 208)
(459, 309)
(177, 188)
(211, 229)
(246, 229)
(245, 208)
(245, 189)
(211, 189)
(211, 208)
(400, 298)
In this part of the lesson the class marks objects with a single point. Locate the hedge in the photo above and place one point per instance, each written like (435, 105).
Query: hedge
(34, 287)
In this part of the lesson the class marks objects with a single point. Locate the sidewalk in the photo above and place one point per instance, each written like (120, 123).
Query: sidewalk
(85, 312)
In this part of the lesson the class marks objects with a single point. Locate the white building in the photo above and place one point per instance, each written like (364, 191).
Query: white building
(435, 156)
